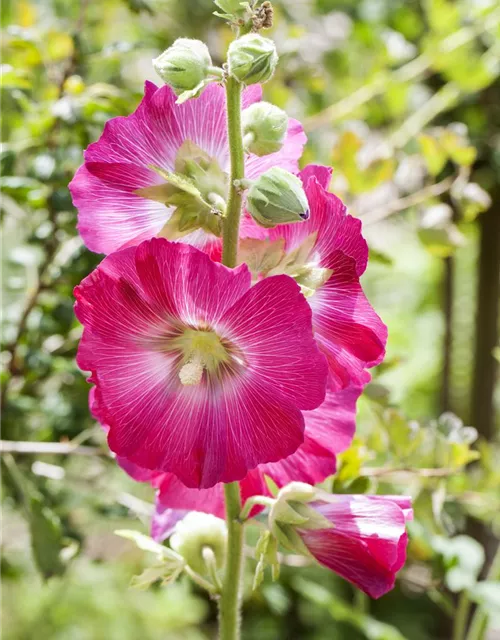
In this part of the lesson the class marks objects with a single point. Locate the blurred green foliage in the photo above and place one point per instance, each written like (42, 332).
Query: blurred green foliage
(403, 99)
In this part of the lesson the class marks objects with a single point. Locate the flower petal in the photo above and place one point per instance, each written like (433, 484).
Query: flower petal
(271, 324)
(349, 332)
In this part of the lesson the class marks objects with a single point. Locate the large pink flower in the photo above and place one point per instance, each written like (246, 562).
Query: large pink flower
(367, 541)
(327, 255)
(328, 431)
(197, 373)
(111, 212)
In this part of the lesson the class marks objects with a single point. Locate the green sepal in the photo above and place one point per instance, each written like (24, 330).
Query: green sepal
(266, 554)
(195, 92)
(196, 189)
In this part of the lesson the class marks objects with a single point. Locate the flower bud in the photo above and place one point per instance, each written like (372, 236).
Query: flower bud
(277, 197)
(252, 59)
(195, 532)
(185, 65)
(362, 538)
(264, 128)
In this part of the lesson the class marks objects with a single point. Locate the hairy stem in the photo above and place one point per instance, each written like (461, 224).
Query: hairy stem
(236, 154)
(229, 605)
(461, 616)
(230, 600)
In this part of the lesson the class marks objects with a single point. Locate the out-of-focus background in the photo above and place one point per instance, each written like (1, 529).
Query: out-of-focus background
(402, 98)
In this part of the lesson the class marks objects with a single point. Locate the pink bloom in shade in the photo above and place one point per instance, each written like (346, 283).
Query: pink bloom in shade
(367, 541)
(330, 256)
(328, 431)
(197, 373)
(111, 214)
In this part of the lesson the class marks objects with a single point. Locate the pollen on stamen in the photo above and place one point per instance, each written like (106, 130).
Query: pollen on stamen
(191, 373)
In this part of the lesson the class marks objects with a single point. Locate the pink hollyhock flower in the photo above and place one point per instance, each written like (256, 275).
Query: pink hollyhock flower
(327, 255)
(114, 189)
(328, 431)
(366, 543)
(197, 373)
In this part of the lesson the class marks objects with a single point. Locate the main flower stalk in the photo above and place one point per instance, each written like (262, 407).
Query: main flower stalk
(230, 600)
(233, 211)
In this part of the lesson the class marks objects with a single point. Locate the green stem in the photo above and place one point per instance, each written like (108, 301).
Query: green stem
(264, 501)
(230, 600)
(461, 616)
(480, 619)
(232, 220)
(200, 580)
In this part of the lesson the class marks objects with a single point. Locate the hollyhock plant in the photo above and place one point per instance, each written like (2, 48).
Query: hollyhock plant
(362, 538)
(227, 358)
(121, 191)
(197, 373)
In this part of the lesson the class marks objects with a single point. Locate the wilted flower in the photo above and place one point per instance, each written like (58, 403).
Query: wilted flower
(197, 373)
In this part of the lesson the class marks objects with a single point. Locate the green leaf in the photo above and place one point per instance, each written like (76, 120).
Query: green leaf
(46, 538)
(434, 155)
(457, 148)
(59, 45)
(464, 558)
(167, 574)
(148, 544)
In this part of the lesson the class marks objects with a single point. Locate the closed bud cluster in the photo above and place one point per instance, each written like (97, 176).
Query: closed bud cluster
(264, 128)
(277, 197)
(186, 66)
(252, 59)
(195, 532)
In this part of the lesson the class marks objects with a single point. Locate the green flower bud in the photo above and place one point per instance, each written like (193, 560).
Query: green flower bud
(277, 197)
(185, 66)
(252, 59)
(264, 128)
(195, 532)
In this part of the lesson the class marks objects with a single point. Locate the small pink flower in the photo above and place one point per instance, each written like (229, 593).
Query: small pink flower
(197, 373)
(111, 214)
(328, 431)
(367, 541)
(328, 254)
